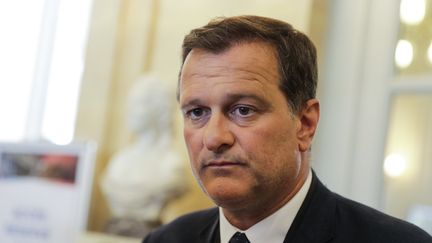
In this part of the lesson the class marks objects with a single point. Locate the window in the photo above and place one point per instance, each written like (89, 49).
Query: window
(43, 47)
(407, 157)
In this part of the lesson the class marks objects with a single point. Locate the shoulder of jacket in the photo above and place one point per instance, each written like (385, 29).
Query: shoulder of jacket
(186, 225)
(364, 220)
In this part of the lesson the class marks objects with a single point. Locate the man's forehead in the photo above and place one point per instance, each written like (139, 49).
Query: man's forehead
(241, 44)
(248, 61)
(252, 58)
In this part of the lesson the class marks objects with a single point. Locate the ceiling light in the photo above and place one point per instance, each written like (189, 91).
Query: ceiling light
(429, 53)
(404, 53)
(394, 165)
(412, 12)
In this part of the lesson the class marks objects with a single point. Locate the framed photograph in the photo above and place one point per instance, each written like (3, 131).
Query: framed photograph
(45, 191)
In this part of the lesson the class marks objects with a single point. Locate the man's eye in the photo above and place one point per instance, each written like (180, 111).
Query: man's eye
(243, 111)
(196, 113)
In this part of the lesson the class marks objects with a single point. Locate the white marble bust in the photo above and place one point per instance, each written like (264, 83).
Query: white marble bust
(143, 176)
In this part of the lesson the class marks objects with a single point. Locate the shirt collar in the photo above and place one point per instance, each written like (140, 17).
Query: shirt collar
(272, 229)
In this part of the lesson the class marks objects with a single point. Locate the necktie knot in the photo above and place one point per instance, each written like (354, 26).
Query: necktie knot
(239, 238)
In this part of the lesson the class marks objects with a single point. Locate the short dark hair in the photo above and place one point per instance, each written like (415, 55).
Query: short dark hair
(295, 51)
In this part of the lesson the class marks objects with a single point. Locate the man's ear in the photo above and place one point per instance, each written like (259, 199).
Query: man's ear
(308, 118)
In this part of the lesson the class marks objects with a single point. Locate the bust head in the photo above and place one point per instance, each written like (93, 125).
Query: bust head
(150, 106)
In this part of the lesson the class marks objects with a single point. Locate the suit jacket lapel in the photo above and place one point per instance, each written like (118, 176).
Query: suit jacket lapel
(314, 223)
(210, 232)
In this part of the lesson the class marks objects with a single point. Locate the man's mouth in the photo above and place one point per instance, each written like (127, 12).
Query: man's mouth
(221, 164)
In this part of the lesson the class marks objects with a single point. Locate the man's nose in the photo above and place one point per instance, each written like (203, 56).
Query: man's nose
(217, 135)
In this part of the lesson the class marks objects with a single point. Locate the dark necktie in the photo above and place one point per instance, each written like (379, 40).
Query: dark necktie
(239, 238)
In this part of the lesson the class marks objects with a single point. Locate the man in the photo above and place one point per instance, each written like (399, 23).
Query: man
(247, 94)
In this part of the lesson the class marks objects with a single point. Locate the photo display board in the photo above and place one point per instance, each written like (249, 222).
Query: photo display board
(44, 191)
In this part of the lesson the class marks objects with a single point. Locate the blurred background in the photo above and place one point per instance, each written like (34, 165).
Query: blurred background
(67, 68)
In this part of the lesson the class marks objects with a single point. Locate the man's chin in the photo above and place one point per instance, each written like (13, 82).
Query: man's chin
(227, 194)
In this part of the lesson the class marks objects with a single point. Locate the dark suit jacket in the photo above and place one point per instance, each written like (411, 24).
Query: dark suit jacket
(323, 217)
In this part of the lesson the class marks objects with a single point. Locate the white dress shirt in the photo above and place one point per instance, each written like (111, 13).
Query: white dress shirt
(272, 229)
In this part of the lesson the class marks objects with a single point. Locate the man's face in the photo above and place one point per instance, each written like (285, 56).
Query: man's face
(243, 141)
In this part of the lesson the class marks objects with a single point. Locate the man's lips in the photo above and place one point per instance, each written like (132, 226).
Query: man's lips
(222, 164)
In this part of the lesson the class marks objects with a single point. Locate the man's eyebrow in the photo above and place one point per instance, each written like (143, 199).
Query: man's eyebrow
(259, 99)
(193, 102)
(230, 98)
